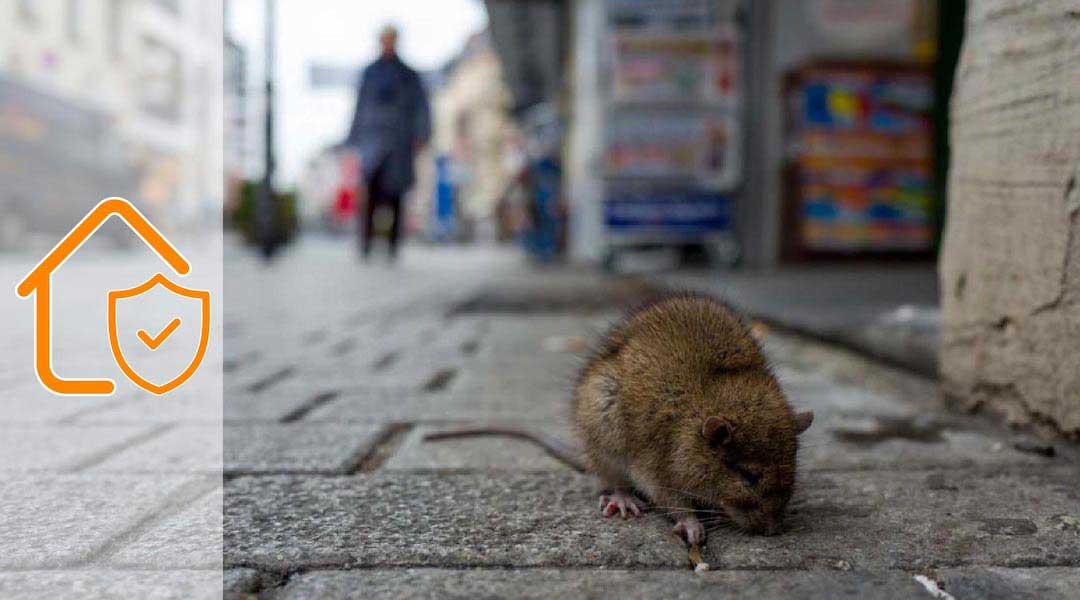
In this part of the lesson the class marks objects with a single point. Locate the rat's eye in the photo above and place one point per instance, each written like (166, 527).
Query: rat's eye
(749, 476)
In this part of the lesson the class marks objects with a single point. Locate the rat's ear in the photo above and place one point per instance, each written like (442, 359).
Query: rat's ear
(803, 421)
(717, 430)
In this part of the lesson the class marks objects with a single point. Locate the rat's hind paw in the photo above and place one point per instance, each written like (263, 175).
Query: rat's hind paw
(691, 528)
(619, 502)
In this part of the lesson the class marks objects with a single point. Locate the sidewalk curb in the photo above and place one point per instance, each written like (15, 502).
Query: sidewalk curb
(905, 335)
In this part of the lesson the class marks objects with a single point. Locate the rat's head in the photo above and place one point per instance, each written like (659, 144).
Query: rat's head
(746, 463)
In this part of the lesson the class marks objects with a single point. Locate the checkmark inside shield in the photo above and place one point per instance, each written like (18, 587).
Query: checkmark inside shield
(154, 342)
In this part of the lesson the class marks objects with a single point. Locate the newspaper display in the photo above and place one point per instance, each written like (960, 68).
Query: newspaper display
(673, 132)
(864, 156)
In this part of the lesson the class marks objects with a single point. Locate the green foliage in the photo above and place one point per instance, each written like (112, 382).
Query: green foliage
(241, 218)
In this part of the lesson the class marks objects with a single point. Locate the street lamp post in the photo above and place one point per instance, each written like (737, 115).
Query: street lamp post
(265, 208)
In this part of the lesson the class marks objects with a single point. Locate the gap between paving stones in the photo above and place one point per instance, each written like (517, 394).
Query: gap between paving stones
(381, 451)
(74, 417)
(270, 380)
(364, 460)
(315, 402)
(106, 453)
(175, 503)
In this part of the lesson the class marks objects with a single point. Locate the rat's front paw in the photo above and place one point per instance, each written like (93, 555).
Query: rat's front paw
(690, 528)
(619, 502)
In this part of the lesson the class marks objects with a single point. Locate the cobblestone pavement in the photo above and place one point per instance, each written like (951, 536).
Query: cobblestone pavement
(330, 490)
(335, 369)
(891, 314)
(107, 497)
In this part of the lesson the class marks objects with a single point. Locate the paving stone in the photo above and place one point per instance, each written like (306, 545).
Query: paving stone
(550, 367)
(525, 335)
(33, 447)
(467, 404)
(109, 584)
(189, 539)
(645, 584)
(532, 376)
(275, 403)
(993, 583)
(182, 449)
(825, 396)
(519, 336)
(442, 338)
(55, 520)
(411, 371)
(402, 519)
(242, 583)
(367, 404)
(860, 520)
(492, 453)
(297, 447)
(913, 520)
(278, 369)
(856, 428)
(30, 403)
(245, 584)
(505, 400)
(838, 442)
(178, 406)
(793, 377)
(837, 366)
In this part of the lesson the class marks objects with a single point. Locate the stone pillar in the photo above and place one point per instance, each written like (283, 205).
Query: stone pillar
(1010, 262)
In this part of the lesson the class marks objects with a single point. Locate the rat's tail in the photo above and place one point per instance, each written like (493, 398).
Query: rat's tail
(558, 449)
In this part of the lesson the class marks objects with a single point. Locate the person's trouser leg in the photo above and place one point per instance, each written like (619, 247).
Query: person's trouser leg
(367, 221)
(394, 203)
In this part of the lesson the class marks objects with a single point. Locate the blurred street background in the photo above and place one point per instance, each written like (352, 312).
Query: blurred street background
(777, 143)
(887, 189)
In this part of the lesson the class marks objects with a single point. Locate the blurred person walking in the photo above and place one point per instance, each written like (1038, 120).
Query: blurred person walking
(391, 124)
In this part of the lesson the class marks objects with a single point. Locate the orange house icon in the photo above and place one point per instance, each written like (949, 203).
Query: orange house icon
(39, 282)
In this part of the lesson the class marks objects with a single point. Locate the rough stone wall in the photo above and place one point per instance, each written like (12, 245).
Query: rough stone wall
(1010, 264)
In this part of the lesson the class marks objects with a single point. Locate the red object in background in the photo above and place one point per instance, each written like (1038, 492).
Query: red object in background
(345, 199)
(344, 203)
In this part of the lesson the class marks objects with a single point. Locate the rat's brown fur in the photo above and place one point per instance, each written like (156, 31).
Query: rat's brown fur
(643, 398)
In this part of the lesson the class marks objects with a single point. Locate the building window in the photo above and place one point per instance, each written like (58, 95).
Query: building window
(72, 19)
(160, 85)
(28, 12)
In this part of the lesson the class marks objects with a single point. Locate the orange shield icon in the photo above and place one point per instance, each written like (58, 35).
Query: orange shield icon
(157, 338)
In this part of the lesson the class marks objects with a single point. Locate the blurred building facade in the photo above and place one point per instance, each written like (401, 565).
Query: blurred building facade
(235, 115)
(131, 87)
(637, 82)
(475, 137)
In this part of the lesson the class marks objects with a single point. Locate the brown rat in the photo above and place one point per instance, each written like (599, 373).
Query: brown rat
(678, 402)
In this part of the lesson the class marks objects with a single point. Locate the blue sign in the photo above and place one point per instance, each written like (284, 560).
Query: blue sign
(688, 212)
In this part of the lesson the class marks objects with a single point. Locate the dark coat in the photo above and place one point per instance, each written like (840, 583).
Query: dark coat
(391, 117)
